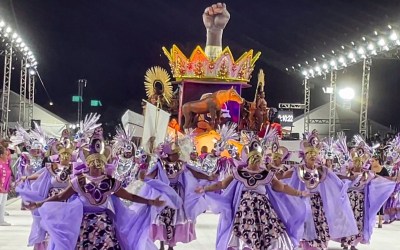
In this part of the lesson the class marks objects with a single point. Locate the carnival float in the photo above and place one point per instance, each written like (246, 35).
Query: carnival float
(207, 91)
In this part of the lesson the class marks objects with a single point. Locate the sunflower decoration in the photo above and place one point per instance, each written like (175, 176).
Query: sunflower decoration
(157, 83)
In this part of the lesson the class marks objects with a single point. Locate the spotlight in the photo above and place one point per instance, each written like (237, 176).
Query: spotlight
(346, 93)
(342, 60)
(351, 55)
(333, 63)
(32, 71)
(352, 43)
(375, 33)
(51, 103)
(363, 38)
(371, 46)
(390, 26)
(8, 30)
(381, 42)
(393, 36)
(15, 35)
(325, 66)
(361, 51)
(2, 24)
(304, 72)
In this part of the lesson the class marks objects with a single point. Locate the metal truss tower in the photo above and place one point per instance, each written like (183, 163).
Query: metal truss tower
(22, 95)
(306, 105)
(31, 98)
(5, 100)
(364, 97)
(332, 105)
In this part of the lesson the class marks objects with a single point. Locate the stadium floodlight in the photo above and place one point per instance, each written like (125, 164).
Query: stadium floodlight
(346, 93)
(393, 36)
(381, 42)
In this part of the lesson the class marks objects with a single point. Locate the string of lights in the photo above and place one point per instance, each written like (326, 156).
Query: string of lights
(370, 46)
(10, 38)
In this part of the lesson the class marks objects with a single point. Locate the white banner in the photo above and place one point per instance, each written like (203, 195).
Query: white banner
(155, 125)
(132, 120)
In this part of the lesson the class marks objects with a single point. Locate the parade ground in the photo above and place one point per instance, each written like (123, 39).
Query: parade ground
(15, 237)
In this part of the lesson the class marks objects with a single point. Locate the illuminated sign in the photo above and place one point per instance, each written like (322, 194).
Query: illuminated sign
(286, 118)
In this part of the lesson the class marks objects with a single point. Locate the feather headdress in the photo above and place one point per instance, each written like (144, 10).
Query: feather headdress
(310, 143)
(41, 139)
(123, 141)
(227, 132)
(86, 128)
(341, 149)
(187, 144)
(327, 148)
(21, 136)
(393, 150)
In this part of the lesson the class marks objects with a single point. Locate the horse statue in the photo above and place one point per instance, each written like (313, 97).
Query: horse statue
(210, 104)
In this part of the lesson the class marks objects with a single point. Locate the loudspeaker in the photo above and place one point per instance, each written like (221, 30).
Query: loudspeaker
(295, 136)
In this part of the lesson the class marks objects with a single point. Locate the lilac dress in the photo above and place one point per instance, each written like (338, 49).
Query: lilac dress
(52, 181)
(253, 216)
(95, 218)
(356, 193)
(323, 220)
(173, 225)
(367, 193)
(392, 205)
(256, 224)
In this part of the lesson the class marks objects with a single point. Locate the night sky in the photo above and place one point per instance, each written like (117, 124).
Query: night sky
(113, 43)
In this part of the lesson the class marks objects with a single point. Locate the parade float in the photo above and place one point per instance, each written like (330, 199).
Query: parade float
(207, 89)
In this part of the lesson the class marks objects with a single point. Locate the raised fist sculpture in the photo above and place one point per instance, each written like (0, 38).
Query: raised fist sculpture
(215, 19)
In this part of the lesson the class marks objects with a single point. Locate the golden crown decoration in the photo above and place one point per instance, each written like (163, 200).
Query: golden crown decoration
(200, 66)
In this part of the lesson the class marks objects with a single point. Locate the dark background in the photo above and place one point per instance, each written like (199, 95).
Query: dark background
(113, 43)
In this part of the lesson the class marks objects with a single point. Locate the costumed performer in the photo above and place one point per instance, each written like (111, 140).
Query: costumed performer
(100, 221)
(253, 216)
(176, 224)
(323, 220)
(367, 192)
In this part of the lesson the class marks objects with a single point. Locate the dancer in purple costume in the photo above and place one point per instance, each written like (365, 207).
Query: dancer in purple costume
(392, 206)
(253, 216)
(30, 165)
(54, 178)
(219, 165)
(100, 220)
(172, 225)
(367, 192)
(123, 150)
(323, 220)
(277, 159)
